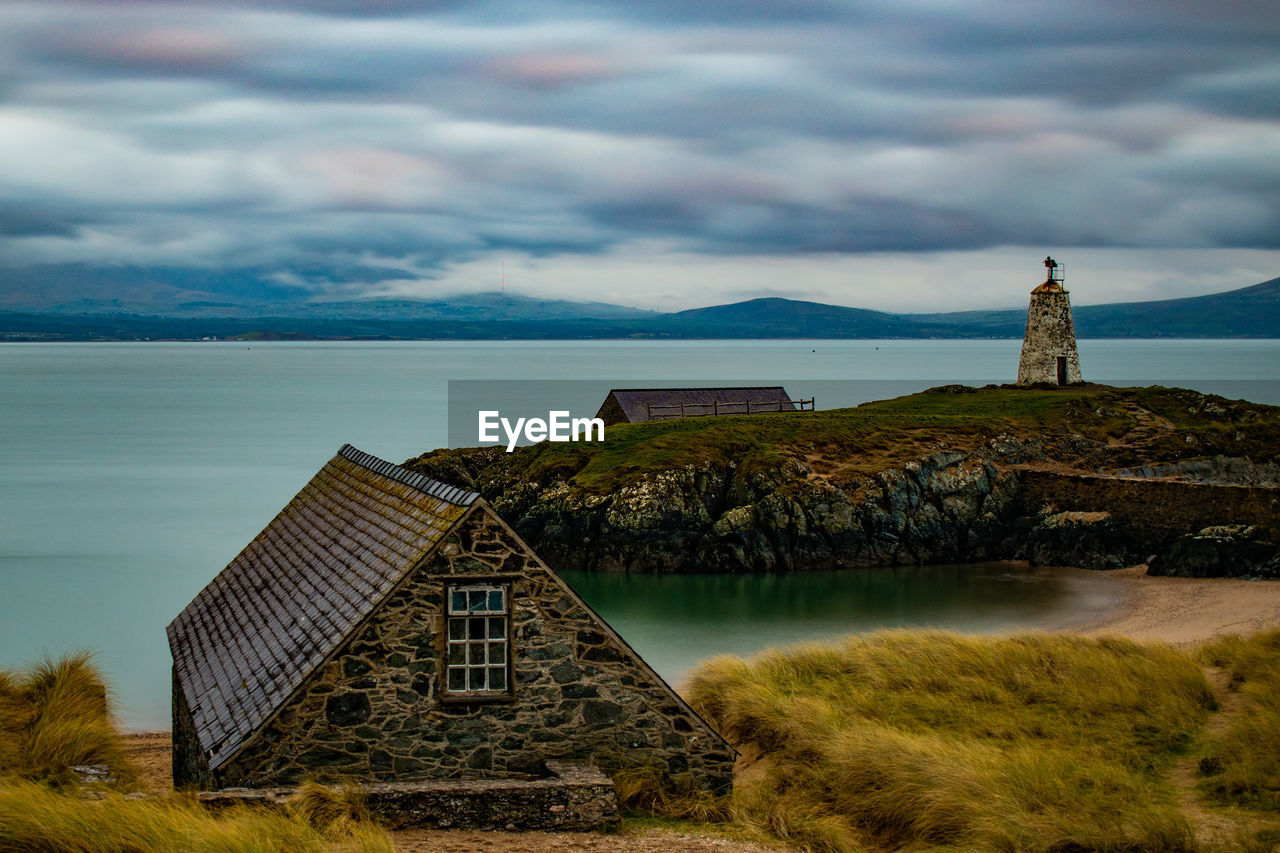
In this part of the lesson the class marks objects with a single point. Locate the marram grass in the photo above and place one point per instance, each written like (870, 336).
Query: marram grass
(56, 715)
(37, 819)
(919, 741)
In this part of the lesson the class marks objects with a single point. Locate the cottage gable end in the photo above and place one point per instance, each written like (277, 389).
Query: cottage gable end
(380, 707)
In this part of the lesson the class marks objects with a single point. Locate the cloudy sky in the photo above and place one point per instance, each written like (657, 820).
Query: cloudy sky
(891, 154)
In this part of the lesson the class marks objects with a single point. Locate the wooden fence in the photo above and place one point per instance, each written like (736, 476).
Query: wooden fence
(716, 407)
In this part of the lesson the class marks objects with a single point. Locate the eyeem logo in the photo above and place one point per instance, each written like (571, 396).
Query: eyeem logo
(558, 426)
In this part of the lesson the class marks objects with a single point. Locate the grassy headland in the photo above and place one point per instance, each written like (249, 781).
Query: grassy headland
(938, 476)
(1129, 425)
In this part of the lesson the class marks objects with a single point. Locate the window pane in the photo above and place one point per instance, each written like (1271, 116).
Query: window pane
(497, 627)
(477, 679)
(457, 654)
(477, 600)
(475, 653)
(497, 679)
(476, 626)
(495, 601)
(457, 679)
(497, 653)
(458, 601)
(457, 629)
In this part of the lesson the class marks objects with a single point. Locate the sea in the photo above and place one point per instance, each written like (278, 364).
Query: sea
(131, 473)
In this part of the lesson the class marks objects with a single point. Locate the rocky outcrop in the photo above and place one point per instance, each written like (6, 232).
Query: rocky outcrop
(946, 507)
(1009, 499)
(1090, 540)
(996, 470)
(1234, 550)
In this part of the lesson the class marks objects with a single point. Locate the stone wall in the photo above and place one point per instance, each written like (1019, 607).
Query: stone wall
(575, 798)
(1156, 510)
(190, 768)
(1050, 334)
(376, 710)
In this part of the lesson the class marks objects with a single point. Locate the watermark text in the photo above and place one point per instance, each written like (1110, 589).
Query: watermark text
(558, 426)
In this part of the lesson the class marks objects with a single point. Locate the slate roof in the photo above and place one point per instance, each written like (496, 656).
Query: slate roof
(636, 402)
(286, 602)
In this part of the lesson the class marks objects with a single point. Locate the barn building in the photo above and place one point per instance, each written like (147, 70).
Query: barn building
(1049, 345)
(385, 627)
(636, 405)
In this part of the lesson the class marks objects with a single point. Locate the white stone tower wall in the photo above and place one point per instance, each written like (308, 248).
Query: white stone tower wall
(1050, 335)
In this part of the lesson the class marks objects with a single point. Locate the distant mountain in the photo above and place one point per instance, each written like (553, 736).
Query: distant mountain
(71, 289)
(786, 318)
(1251, 312)
(491, 307)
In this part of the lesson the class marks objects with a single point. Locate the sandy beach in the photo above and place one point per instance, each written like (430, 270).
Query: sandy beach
(1186, 611)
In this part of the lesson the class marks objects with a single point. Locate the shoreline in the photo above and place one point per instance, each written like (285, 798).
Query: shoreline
(1184, 611)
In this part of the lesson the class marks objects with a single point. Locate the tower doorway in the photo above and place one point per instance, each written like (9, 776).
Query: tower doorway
(1062, 370)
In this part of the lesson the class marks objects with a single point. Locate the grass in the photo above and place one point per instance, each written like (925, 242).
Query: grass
(37, 819)
(920, 741)
(866, 439)
(56, 715)
(1241, 765)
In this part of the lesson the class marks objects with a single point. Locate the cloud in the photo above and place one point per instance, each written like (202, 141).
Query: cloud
(290, 138)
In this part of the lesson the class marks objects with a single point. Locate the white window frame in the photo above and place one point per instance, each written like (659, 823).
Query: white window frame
(464, 619)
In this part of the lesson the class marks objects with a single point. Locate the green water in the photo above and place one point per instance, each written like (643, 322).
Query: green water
(673, 621)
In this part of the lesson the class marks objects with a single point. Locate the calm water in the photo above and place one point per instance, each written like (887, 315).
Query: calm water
(133, 472)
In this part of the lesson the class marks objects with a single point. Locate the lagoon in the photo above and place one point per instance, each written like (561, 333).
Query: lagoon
(131, 473)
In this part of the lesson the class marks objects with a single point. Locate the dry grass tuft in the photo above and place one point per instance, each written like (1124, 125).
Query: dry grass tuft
(643, 789)
(337, 812)
(54, 716)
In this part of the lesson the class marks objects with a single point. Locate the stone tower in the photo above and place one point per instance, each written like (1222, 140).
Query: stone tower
(1049, 346)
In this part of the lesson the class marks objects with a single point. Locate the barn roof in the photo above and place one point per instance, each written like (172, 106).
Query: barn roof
(286, 602)
(663, 403)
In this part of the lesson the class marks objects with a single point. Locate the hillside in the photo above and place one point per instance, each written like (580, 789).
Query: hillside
(1251, 312)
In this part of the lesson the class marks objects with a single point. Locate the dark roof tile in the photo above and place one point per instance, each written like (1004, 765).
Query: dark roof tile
(643, 404)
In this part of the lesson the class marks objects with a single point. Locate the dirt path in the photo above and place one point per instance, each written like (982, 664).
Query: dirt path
(1213, 826)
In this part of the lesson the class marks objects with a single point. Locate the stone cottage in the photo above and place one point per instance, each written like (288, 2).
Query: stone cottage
(387, 627)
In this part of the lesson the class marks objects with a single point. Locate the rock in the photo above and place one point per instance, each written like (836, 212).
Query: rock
(93, 774)
(347, 709)
(1090, 540)
(1222, 551)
